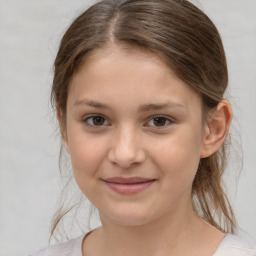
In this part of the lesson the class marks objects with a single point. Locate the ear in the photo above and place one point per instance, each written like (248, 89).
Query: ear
(216, 129)
(63, 129)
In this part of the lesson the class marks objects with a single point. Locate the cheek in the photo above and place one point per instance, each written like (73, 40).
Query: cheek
(87, 154)
(177, 157)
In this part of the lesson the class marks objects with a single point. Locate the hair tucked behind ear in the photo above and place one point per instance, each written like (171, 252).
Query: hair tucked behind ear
(186, 39)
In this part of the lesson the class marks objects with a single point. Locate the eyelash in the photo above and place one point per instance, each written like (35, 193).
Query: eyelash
(167, 120)
(86, 120)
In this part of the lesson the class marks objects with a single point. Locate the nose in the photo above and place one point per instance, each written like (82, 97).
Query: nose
(126, 149)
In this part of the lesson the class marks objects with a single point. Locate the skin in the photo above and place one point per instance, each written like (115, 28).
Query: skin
(119, 87)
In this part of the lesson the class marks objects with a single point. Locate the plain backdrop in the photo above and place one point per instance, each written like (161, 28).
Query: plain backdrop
(29, 178)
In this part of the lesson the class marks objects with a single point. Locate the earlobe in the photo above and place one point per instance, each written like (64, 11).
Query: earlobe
(217, 128)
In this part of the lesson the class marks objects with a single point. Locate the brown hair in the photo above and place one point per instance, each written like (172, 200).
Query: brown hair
(187, 40)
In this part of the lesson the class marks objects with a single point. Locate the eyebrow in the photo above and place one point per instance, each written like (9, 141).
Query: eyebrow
(142, 108)
(91, 103)
(148, 107)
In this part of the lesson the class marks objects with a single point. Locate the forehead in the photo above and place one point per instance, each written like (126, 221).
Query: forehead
(124, 53)
(113, 72)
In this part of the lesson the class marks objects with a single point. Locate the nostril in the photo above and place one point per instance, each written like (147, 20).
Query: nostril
(126, 159)
(126, 149)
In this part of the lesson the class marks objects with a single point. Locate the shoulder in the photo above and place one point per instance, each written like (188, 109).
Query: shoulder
(233, 245)
(70, 248)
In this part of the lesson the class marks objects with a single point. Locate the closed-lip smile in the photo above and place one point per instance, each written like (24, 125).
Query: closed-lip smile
(128, 186)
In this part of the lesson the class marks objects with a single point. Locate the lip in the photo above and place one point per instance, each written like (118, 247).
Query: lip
(128, 186)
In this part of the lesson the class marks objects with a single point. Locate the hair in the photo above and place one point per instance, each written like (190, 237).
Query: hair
(189, 43)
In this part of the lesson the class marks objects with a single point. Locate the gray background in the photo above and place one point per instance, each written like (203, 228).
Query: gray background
(29, 179)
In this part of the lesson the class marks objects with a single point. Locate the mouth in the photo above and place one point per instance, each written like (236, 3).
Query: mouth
(128, 186)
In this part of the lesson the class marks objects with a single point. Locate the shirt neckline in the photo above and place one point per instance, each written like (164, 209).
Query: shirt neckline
(78, 250)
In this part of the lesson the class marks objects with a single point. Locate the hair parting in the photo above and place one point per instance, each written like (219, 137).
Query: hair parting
(189, 43)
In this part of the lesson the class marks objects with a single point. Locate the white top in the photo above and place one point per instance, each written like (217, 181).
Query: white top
(231, 245)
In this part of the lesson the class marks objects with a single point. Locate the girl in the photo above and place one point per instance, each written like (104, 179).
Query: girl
(138, 90)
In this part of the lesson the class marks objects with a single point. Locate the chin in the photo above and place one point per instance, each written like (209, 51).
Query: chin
(130, 222)
(128, 218)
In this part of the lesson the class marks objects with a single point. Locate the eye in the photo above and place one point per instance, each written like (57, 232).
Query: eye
(96, 121)
(159, 121)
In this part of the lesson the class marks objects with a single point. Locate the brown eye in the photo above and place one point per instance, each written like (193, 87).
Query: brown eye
(159, 121)
(96, 121)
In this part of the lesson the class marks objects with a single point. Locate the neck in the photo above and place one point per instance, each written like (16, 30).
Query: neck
(183, 234)
(156, 238)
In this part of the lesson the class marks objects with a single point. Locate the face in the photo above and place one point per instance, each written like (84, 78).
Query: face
(134, 134)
